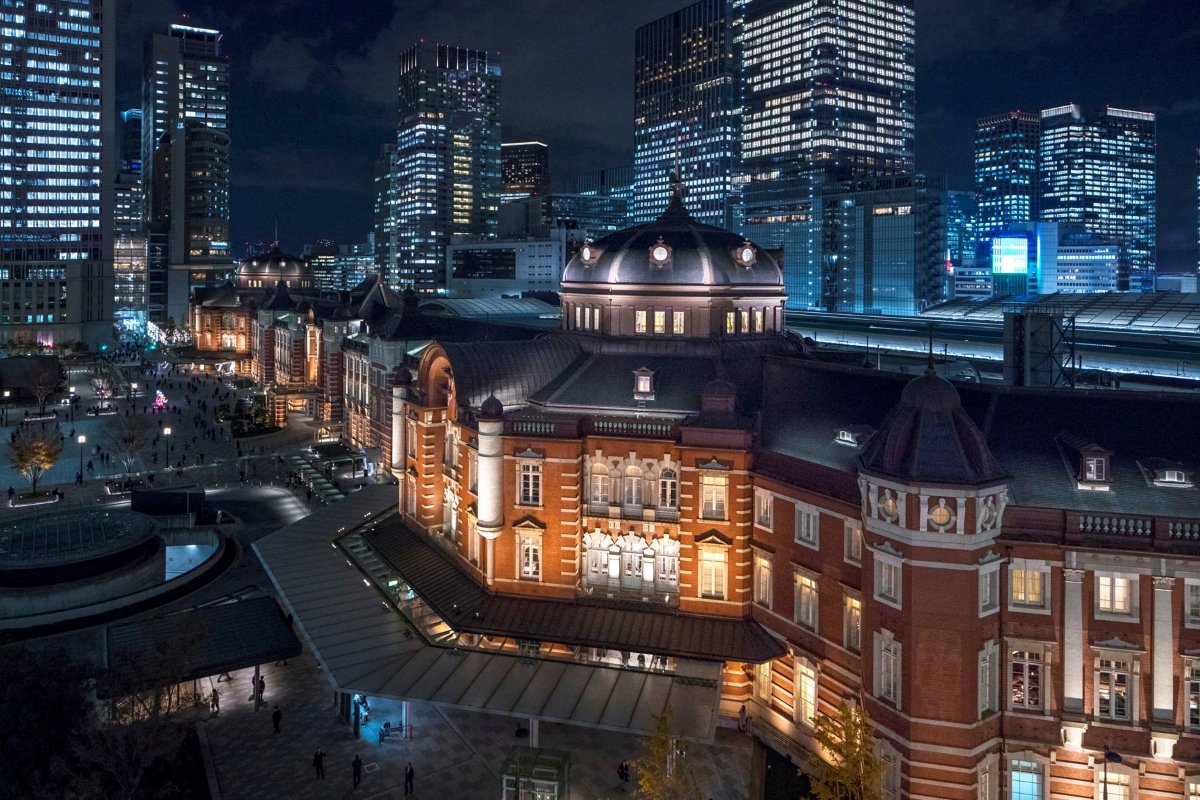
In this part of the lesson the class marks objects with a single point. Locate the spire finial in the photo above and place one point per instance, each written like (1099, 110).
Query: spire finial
(929, 370)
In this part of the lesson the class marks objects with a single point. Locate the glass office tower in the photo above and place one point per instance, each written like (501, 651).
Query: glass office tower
(687, 111)
(1100, 172)
(1006, 169)
(185, 166)
(445, 171)
(57, 122)
(129, 242)
(829, 95)
(524, 170)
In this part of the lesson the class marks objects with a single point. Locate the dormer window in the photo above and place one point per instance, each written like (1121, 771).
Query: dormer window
(643, 384)
(1095, 468)
(846, 436)
(660, 254)
(1094, 463)
(1171, 476)
(852, 435)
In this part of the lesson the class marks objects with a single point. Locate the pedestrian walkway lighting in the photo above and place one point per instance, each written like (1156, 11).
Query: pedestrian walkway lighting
(166, 451)
(81, 439)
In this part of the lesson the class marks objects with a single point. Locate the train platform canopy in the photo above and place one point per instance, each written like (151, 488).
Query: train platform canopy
(1151, 312)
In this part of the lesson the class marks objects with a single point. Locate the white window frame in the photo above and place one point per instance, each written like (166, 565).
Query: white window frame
(677, 323)
(989, 589)
(889, 773)
(529, 492)
(714, 496)
(632, 487)
(668, 489)
(714, 565)
(1095, 468)
(1024, 577)
(1110, 587)
(1109, 666)
(1122, 782)
(808, 526)
(807, 601)
(853, 541)
(1191, 603)
(529, 556)
(600, 486)
(989, 679)
(660, 322)
(852, 623)
(763, 584)
(1019, 787)
(1026, 667)
(889, 667)
(639, 321)
(764, 508)
(1191, 697)
(889, 572)
(806, 685)
(472, 470)
(764, 681)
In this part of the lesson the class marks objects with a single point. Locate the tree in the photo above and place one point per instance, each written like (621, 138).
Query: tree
(852, 769)
(34, 449)
(107, 380)
(127, 437)
(663, 771)
(44, 379)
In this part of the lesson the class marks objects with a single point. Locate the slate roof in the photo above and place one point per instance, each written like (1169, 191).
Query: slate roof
(512, 371)
(807, 402)
(469, 607)
(605, 382)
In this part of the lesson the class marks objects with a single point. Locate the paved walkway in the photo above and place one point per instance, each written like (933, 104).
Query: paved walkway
(456, 755)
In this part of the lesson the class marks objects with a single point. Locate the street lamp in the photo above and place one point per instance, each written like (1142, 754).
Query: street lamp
(71, 404)
(1109, 758)
(133, 390)
(7, 394)
(166, 450)
(81, 439)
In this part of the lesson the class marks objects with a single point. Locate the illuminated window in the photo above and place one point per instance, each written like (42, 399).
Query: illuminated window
(1025, 676)
(1026, 585)
(730, 322)
(677, 322)
(531, 557)
(639, 321)
(806, 692)
(852, 624)
(1095, 469)
(852, 541)
(745, 320)
(1115, 594)
(713, 488)
(660, 322)
(600, 484)
(633, 486)
(530, 483)
(1113, 689)
(712, 573)
(1025, 780)
(668, 489)
(762, 579)
(804, 611)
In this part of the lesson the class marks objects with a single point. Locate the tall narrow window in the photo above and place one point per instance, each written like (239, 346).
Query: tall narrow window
(713, 489)
(668, 489)
(887, 668)
(473, 470)
(531, 557)
(530, 483)
(808, 524)
(764, 505)
(600, 482)
(1191, 601)
(712, 574)
(639, 321)
(988, 678)
(1193, 694)
(853, 541)
(1025, 778)
(410, 435)
(762, 580)
(633, 486)
(677, 322)
(852, 624)
(1026, 681)
(758, 320)
(806, 692)
(660, 322)
(745, 320)
(763, 682)
(1113, 689)
(805, 612)
(730, 322)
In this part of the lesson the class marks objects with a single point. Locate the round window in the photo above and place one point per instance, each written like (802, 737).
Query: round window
(940, 516)
(747, 255)
(890, 508)
(660, 252)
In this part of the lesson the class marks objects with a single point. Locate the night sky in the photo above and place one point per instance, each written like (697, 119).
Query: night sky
(313, 84)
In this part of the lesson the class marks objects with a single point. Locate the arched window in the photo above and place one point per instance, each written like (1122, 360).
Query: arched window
(632, 547)
(666, 565)
(633, 485)
(595, 566)
(668, 489)
(600, 484)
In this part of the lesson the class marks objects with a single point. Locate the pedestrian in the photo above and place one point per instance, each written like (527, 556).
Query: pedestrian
(742, 718)
(215, 701)
(319, 763)
(408, 778)
(356, 768)
(262, 689)
(11, 492)
(277, 718)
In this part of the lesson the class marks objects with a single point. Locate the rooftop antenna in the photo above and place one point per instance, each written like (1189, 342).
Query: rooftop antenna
(276, 242)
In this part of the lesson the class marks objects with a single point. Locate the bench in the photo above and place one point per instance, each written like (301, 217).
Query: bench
(388, 729)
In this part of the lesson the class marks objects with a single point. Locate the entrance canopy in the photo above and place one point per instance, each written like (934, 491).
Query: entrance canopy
(366, 646)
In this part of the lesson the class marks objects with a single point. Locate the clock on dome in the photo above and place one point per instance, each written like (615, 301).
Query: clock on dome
(660, 253)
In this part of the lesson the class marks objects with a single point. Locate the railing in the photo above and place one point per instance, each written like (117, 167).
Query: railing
(1184, 530)
(541, 426)
(633, 426)
(640, 513)
(1116, 526)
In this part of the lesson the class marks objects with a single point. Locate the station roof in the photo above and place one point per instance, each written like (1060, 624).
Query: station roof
(490, 307)
(1153, 312)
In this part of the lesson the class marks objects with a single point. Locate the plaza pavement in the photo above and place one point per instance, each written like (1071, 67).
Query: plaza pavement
(456, 755)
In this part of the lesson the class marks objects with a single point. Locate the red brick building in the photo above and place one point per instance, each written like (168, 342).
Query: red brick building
(1006, 579)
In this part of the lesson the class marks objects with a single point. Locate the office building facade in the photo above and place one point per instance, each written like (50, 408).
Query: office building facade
(129, 240)
(1099, 171)
(56, 214)
(445, 171)
(185, 166)
(829, 93)
(506, 267)
(1006, 169)
(1049, 258)
(584, 215)
(884, 245)
(524, 170)
(687, 111)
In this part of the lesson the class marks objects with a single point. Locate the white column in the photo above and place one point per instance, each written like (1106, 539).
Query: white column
(1072, 659)
(397, 430)
(1162, 666)
(491, 560)
(491, 477)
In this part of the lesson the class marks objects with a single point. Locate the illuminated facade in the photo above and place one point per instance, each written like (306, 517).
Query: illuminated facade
(1006, 169)
(56, 198)
(1100, 172)
(524, 170)
(1008, 580)
(445, 170)
(185, 165)
(1049, 258)
(687, 112)
(829, 91)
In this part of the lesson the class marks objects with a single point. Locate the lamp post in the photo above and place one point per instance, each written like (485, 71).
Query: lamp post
(166, 450)
(7, 394)
(71, 402)
(133, 390)
(81, 439)
(1110, 757)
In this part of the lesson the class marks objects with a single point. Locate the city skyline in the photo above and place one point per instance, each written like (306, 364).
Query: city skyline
(317, 63)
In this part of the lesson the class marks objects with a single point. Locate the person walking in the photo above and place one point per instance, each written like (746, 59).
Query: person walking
(262, 690)
(276, 718)
(408, 778)
(356, 768)
(215, 702)
(319, 763)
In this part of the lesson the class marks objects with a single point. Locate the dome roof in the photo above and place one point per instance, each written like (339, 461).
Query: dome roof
(929, 438)
(273, 264)
(674, 249)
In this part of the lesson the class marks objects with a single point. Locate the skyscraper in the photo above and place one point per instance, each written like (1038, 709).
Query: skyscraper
(524, 170)
(445, 172)
(59, 164)
(1006, 169)
(687, 111)
(129, 240)
(1100, 172)
(185, 165)
(383, 219)
(829, 95)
